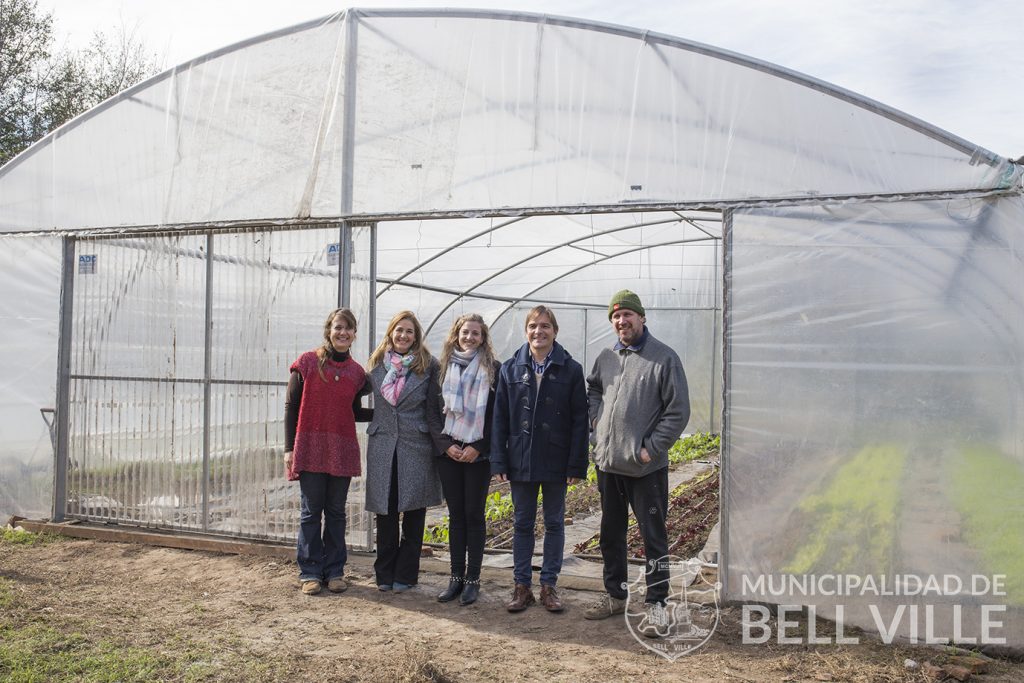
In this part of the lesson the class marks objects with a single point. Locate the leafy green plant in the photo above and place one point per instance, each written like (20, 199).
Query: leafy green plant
(986, 490)
(695, 446)
(437, 533)
(498, 507)
(855, 512)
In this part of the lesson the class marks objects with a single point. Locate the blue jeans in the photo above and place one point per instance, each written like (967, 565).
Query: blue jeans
(524, 500)
(322, 556)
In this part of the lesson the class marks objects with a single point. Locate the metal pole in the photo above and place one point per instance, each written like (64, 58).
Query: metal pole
(345, 257)
(61, 454)
(348, 111)
(714, 345)
(586, 337)
(348, 146)
(371, 339)
(207, 376)
(372, 313)
(726, 447)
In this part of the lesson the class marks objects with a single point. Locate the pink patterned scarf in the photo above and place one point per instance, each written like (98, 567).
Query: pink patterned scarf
(394, 378)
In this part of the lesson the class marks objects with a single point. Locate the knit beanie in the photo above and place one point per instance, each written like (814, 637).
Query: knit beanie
(626, 299)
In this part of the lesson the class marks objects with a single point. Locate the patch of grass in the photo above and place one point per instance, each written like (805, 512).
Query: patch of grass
(21, 537)
(856, 512)
(6, 594)
(41, 653)
(986, 490)
(32, 652)
(694, 447)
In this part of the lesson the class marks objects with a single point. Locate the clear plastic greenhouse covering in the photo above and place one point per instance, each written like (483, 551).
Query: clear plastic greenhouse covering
(384, 112)
(842, 281)
(875, 412)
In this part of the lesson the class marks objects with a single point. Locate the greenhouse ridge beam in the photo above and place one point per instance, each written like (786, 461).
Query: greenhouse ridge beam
(363, 219)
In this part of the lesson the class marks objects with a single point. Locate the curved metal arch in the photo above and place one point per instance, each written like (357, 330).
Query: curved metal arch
(400, 279)
(536, 255)
(566, 274)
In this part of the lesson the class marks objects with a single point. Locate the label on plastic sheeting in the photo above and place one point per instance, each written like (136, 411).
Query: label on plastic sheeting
(87, 264)
(333, 252)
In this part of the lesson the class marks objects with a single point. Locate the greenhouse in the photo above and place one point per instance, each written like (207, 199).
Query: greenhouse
(842, 281)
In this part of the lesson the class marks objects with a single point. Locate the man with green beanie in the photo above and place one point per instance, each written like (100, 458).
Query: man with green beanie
(639, 405)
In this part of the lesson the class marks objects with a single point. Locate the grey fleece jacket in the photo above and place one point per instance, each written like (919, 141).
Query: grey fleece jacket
(637, 399)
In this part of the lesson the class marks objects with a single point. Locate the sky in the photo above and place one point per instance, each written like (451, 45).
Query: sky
(957, 64)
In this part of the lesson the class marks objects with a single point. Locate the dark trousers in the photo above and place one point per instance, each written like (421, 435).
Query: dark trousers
(465, 489)
(524, 502)
(648, 496)
(321, 551)
(399, 540)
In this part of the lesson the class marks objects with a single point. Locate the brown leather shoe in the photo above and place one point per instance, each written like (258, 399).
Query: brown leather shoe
(522, 597)
(549, 598)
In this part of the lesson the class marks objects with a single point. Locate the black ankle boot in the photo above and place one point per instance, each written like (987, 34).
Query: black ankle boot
(470, 592)
(452, 591)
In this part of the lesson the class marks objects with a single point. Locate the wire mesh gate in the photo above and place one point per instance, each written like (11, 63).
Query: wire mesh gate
(175, 351)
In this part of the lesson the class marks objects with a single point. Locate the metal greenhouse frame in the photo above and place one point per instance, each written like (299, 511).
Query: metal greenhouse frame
(841, 279)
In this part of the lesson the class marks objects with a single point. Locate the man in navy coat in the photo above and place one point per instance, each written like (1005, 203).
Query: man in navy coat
(539, 442)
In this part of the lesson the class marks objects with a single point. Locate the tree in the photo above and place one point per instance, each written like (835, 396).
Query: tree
(41, 88)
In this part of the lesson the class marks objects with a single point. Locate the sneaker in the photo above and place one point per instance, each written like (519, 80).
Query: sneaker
(384, 587)
(655, 622)
(606, 607)
(310, 586)
(337, 585)
(400, 587)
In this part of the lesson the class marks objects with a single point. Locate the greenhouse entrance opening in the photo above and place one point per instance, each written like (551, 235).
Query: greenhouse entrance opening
(177, 344)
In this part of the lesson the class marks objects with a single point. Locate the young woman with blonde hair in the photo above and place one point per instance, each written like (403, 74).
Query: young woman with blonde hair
(469, 372)
(405, 434)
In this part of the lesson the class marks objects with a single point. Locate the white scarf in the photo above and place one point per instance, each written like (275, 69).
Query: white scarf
(465, 393)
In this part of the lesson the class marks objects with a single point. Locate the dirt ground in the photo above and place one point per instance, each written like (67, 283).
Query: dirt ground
(219, 617)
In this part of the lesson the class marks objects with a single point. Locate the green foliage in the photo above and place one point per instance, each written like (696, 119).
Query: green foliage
(855, 512)
(42, 653)
(693, 447)
(498, 506)
(438, 533)
(20, 537)
(986, 490)
(6, 593)
(41, 88)
(37, 647)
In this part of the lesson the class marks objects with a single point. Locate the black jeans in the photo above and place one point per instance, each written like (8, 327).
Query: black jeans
(399, 540)
(648, 496)
(465, 489)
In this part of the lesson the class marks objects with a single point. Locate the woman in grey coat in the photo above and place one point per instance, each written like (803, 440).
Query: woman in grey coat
(405, 434)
